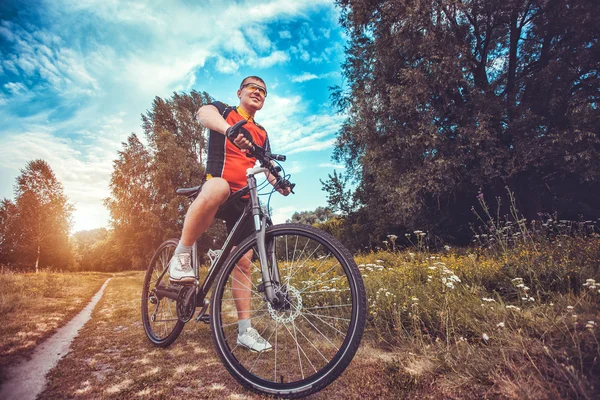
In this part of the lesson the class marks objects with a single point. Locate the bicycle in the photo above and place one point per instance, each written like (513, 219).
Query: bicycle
(307, 297)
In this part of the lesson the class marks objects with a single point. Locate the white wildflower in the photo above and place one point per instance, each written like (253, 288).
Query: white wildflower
(485, 337)
(379, 261)
(415, 299)
(447, 248)
(450, 285)
(411, 254)
(590, 324)
(489, 300)
(500, 325)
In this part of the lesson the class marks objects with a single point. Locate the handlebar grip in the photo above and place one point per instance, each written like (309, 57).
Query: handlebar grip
(278, 157)
(234, 129)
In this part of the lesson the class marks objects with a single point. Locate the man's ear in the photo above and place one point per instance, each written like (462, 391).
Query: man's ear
(239, 93)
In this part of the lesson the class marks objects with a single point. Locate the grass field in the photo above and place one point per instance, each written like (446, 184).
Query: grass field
(33, 306)
(519, 322)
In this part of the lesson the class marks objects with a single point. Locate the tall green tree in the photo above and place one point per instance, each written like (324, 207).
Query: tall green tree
(143, 205)
(38, 223)
(9, 233)
(447, 98)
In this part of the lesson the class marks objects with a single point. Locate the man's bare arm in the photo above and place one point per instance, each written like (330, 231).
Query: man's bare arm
(210, 118)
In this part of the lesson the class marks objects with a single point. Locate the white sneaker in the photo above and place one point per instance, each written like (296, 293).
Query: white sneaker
(252, 340)
(180, 268)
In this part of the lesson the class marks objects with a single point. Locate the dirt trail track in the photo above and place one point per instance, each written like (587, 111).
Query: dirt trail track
(111, 358)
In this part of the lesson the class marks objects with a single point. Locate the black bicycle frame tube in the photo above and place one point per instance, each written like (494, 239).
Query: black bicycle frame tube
(225, 250)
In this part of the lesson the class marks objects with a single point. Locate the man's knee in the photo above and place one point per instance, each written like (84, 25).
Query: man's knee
(215, 190)
(244, 263)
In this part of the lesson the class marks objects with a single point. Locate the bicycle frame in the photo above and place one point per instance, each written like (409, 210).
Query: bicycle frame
(253, 212)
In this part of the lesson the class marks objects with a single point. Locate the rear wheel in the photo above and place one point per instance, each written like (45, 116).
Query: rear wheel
(159, 313)
(314, 331)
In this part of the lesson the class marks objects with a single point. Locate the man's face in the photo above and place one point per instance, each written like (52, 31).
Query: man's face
(252, 95)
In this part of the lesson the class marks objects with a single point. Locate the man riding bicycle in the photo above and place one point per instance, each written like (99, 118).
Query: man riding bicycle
(226, 173)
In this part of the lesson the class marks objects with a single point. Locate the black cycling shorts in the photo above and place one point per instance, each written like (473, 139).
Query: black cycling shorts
(231, 214)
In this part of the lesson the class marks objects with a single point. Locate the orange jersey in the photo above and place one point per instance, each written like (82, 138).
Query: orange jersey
(225, 160)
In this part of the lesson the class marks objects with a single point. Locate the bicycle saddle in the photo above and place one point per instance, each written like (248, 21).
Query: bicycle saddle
(189, 192)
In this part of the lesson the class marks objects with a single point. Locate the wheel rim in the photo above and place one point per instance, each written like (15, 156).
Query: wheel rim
(160, 315)
(311, 335)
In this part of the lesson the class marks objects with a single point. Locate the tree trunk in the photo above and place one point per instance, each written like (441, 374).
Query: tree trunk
(37, 260)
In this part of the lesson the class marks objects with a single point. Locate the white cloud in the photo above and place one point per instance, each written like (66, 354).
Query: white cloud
(84, 176)
(257, 37)
(282, 214)
(43, 53)
(295, 134)
(277, 57)
(306, 76)
(285, 35)
(330, 165)
(226, 66)
(15, 87)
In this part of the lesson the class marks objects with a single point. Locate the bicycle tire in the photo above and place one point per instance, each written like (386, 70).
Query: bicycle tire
(166, 329)
(310, 316)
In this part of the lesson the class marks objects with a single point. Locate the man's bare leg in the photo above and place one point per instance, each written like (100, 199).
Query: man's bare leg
(197, 220)
(201, 213)
(241, 287)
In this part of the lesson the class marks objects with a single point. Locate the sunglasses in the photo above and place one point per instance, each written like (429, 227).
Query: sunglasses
(254, 87)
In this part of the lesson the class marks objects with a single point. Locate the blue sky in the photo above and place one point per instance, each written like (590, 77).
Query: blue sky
(75, 75)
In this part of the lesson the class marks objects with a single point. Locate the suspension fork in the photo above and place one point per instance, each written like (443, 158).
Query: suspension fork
(260, 225)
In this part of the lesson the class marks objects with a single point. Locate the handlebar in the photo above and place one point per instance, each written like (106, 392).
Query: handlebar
(265, 158)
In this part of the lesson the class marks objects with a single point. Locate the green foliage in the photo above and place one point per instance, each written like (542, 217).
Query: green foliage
(317, 216)
(449, 99)
(35, 228)
(479, 305)
(144, 207)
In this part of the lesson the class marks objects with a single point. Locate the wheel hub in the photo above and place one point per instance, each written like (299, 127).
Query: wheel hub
(290, 308)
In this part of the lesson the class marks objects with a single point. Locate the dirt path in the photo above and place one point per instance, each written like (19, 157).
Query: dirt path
(27, 379)
(111, 358)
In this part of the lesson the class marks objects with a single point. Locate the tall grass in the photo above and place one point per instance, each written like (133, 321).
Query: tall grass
(517, 313)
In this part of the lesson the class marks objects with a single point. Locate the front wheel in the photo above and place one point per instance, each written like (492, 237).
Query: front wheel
(316, 328)
(159, 313)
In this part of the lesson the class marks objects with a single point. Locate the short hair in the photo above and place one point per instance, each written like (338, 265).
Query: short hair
(252, 77)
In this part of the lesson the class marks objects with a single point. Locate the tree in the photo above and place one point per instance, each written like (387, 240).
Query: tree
(9, 234)
(38, 223)
(317, 216)
(144, 207)
(448, 98)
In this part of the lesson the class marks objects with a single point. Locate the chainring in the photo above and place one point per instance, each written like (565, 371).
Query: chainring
(186, 303)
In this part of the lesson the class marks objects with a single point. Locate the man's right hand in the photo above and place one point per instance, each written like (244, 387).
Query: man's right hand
(240, 136)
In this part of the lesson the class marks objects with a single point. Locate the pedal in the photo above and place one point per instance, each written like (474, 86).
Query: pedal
(205, 318)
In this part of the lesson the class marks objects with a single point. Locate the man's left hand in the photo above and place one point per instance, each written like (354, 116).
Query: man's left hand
(284, 191)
